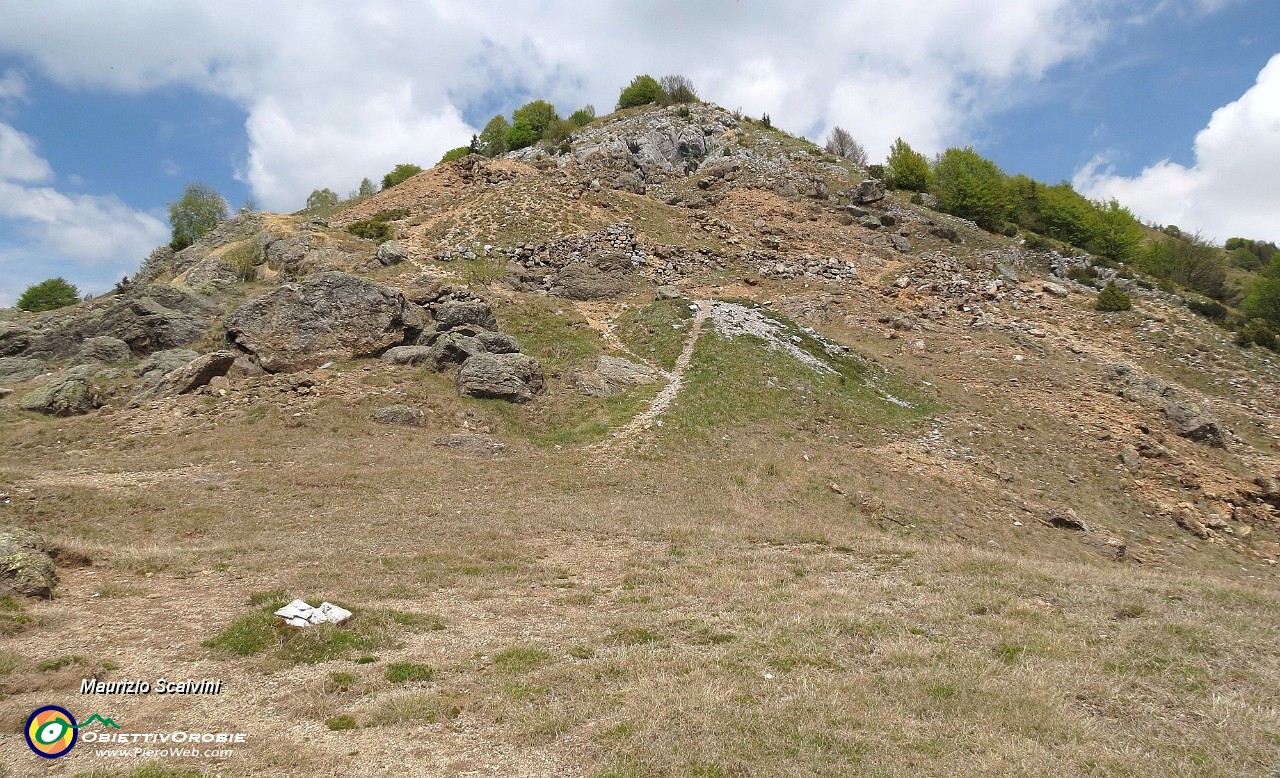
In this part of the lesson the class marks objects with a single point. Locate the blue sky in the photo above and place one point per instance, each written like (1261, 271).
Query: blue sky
(108, 110)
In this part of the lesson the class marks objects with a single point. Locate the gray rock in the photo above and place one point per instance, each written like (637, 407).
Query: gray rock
(901, 243)
(669, 293)
(580, 281)
(413, 356)
(14, 339)
(498, 342)
(64, 395)
(473, 445)
(104, 349)
(329, 316)
(870, 222)
(154, 318)
(450, 315)
(1195, 423)
(211, 270)
(403, 415)
(392, 252)
(612, 376)
(26, 565)
(5, 392)
(195, 374)
(512, 377)
(454, 348)
(1131, 458)
(870, 191)
(1008, 274)
(1057, 290)
(161, 363)
(15, 369)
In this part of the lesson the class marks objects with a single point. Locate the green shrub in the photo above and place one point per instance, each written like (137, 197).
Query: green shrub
(643, 90)
(906, 168)
(1256, 332)
(1112, 299)
(48, 295)
(877, 172)
(1210, 309)
(244, 259)
(338, 723)
(766, 121)
(583, 116)
(1189, 261)
(322, 198)
(1082, 275)
(493, 138)
(971, 186)
(198, 210)
(402, 172)
(372, 229)
(453, 155)
(1262, 296)
(529, 124)
(390, 214)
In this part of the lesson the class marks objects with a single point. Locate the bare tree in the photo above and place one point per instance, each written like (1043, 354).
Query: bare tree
(842, 144)
(679, 89)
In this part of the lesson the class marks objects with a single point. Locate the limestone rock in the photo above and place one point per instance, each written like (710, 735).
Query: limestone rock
(1057, 290)
(611, 376)
(195, 374)
(26, 567)
(403, 415)
(15, 369)
(161, 363)
(870, 191)
(513, 377)
(329, 316)
(1195, 423)
(450, 315)
(413, 356)
(65, 395)
(105, 349)
(155, 317)
(392, 252)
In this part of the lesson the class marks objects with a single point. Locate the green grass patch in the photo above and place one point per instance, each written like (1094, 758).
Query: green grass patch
(409, 672)
(634, 636)
(339, 723)
(656, 331)
(12, 619)
(260, 630)
(52, 665)
(520, 659)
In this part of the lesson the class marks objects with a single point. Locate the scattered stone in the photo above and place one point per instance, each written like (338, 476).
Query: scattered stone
(5, 392)
(450, 315)
(392, 252)
(870, 222)
(1131, 458)
(1188, 518)
(901, 243)
(612, 376)
(299, 614)
(26, 565)
(474, 445)
(65, 395)
(403, 415)
(512, 377)
(1057, 290)
(15, 369)
(413, 356)
(1068, 520)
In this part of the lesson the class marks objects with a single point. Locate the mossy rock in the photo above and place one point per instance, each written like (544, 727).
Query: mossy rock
(67, 395)
(26, 569)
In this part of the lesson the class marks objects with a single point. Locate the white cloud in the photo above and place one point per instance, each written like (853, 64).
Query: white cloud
(13, 86)
(1230, 190)
(336, 91)
(18, 158)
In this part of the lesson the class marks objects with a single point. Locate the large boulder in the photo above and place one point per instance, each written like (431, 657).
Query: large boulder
(15, 369)
(104, 349)
(600, 278)
(154, 318)
(26, 567)
(327, 317)
(14, 338)
(193, 375)
(391, 252)
(512, 377)
(162, 363)
(870, 191)
(450, 315)
(1195, 423)
(64, 395)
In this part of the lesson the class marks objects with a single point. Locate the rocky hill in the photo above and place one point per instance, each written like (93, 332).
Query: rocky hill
(687, 397)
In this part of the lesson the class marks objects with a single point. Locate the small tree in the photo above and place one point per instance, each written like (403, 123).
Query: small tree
(47, 295)
(1112, 299)
(643, 90)
(198, 210)
(402, 172)
(322, 198)
(842, 144)
(678, 89)
(366, 188)
(971, 186)
(493, 138)
(907, 168)
(455, 154)
(529, 123)
(583, 116)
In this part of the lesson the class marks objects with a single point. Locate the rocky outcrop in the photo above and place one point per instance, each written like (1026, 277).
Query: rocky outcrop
(161, 363)
(193, 375)
(870, 191)
(104, 349)
(14, 338)
(327, 317)
(512, 377)
(15, 369)
(26, 565)
(64, 395)
(1195, 423)
(152, 318)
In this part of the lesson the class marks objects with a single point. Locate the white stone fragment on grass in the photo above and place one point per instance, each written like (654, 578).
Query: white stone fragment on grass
(299, 614)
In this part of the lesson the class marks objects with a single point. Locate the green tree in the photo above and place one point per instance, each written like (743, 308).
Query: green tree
(1065, 214)
(402, 172)
(1113, 298)
(678, 89)
(322, 198)
(529, 123)
(1262, 295)
(47, 295)
(493, 138)
(198, 210)
(1190, 261)
(907, 168)
(366, 189)
(455, 154)
(583, 116)
(643, 90)
(1117, 233)
(971, 186)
